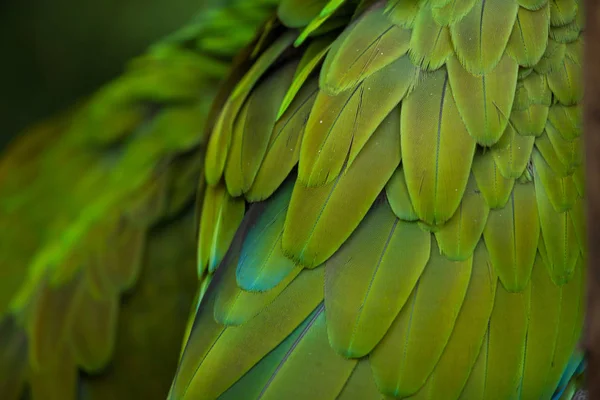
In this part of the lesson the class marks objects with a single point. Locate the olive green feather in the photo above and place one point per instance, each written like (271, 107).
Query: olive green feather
(529, 36)
(511, 237)
(253, 128)
(559, 238)
(562, 12)
(550, 155)
(566, 83)
(512, 152)
(449, 12)
(381, 43)
(221, 217)
(406, 356)
(484, 102)
(283, 150)
(432, 132)
(552, 58)
(315, 52)
(506, 343)
(568, 151)
(458, 237)
(454, 367)
(566, 120)
(542, 332)
(398, 197)
(480, 38)
(561, 191)
(200, 375)
(361, 384)
(495, 188)
(430, 43)
(364, 273)
(532, 4)
(340, 125)
(320, 219)
(402, 12)
(300, 373)
(220, 139)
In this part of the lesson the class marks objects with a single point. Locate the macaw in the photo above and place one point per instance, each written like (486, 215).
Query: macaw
(389, 205)
(392, 207)
(97, 243)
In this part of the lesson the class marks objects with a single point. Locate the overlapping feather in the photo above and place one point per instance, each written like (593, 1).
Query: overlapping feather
(438, 189)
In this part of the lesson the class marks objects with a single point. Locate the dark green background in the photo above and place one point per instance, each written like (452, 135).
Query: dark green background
(56, 51)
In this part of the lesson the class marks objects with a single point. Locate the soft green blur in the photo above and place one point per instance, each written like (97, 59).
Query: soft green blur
(56, 51)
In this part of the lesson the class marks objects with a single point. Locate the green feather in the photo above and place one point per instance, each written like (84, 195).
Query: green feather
(495, 188)
(381, 43)
(283, 150)
(300, 374)
(532, 4)
(221, 216)
(561, 191)
(403, 12)
(566, 120)
(220, 139)
(577, 215)
(458, 237)
(506, 344)
(262, 265)
(566, 82)
(579, 179)
(320, 219)
(567, 33)
(559, 236)
(453, 369)
(430, 43)
(432, 133)
(512, 152)
(253, 382)
(531, 121)
(480, 38)
(310, 60)
(200, 373)
(380, 263)
(484, 102)
(398, 197)
(475, 386)
(569, 326)
(253, 130)
(537, 88)
(569, 152)
(552, 58)
(529, 36)
(542, 332)
(415, 342)
(361, 384)
(340, 125)
(452, 11)
(548, 152)
(511, 237)
(326, 12)
(562, 12)
(235, 306)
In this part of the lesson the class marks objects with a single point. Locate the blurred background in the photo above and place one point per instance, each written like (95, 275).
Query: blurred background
(57, 51)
